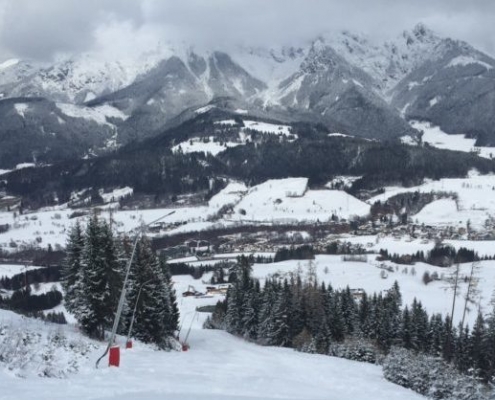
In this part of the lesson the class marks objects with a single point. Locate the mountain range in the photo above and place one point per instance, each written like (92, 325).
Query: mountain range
(83, 106)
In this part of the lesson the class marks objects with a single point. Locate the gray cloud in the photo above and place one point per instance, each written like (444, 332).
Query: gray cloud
(41, 28)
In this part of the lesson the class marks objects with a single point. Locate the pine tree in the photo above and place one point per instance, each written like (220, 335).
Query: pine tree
(155, 319)
(102, 280)
(281, 317)
(419, 323)
(477, 347)
(489, 345)
(266, 327)
(406, 329)
(249, 312)
(73, 272)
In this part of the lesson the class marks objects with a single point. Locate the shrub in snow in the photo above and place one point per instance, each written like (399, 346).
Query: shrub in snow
(430, 376)
(357, 350)
(28, 350)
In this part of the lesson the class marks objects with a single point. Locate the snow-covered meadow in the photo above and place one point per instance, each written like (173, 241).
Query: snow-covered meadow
(475, 200)
(435, 137)
(217, 365)
(209, 145)
(279, 201)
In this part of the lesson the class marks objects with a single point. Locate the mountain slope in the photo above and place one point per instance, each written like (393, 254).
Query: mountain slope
(345, 81)
(41, 131)
(455, 90)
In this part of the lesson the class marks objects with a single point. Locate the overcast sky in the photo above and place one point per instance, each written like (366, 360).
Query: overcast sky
(41, 29)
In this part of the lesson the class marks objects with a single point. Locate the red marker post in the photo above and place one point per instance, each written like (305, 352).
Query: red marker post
(114, 356)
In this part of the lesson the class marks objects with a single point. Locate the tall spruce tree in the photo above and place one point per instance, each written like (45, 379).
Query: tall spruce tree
(151, 294)
(73, 272)
(102, 278)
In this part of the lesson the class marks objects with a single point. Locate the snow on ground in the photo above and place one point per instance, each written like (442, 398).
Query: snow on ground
(435, 137)
(33, 350)
(226, 122)
(43, 288)
(229, 195)
(344, 181)
(221, 366)
(336, 134)
(116, 194)
(476, 200)
(21, 108)
(9, 270)
(204, 109)
(98, 114)
(466, 60)
(24, 165)
(202, 146)
(406, 245)
(440, 212)
(217, 366)
(436, 296)
(52, 226)
(268, 128)
(210, 145)
(290, 199)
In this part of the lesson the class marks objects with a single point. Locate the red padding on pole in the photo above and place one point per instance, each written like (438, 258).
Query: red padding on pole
(128, 344)
(114, 357)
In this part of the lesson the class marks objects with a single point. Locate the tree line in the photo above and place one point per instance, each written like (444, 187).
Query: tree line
(310, 316)
(151, 167)
(441, 256)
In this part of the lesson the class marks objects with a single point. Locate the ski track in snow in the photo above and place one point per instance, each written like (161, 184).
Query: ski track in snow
(217, 366)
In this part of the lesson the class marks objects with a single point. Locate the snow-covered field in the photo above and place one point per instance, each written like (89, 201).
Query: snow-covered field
(208, 145)
(435, 137)
(96, 114)
(476, 200)
(217, 366)
(278, 201)
(283, 200)
(8, 271)
(289, 199)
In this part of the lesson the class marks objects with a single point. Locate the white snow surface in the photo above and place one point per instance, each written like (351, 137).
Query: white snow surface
(211, 145)
(217, 366)
(435, 137)
(24, 165)
(204, 109)
(476, 200)
(267, 128)
(229, 195)
(98, 114)
(117, 194)
(200, 145)
(290, 200)
(9, 270)
(466, 60)
(21, 108)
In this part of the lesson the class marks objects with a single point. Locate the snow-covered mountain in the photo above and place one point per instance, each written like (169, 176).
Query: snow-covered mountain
(343, 80)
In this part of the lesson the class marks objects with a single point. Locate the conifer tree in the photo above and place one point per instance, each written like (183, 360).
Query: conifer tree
(73, 272)
(155, 318)
(102, 278)
(281, 317)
